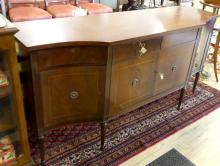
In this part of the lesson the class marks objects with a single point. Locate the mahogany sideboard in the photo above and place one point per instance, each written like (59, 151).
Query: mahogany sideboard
(97, 67)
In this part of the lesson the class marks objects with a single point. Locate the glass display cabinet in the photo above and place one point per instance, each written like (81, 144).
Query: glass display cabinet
(14, 149)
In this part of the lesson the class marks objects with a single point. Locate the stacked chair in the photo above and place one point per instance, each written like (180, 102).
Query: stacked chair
(26, 10)
(93, 8)
(60, 8)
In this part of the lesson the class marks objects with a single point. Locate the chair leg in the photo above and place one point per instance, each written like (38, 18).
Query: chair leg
(215, 56)
(196, 81)
(203, 7)
(214, 10)
(103, 131)
(181, 98)
(154, 3)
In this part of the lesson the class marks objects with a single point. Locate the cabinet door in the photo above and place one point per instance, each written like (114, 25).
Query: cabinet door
(132, 82)
(173, 66)
(72, 94)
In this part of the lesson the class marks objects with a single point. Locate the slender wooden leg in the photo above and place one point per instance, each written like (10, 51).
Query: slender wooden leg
(178, 2)
(214, 10)
(203, 7)
(42, 151)
(215, 56)
(103, 131)
(161, 2)
(181, 98)
(196, 81)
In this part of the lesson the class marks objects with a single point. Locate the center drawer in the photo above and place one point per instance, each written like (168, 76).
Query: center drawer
(136, 50)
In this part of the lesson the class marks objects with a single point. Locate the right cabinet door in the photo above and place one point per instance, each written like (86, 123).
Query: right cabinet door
(173, 65)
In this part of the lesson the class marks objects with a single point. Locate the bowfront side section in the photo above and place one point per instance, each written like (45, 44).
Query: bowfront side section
(175, 60)
(145, 70)
(69, 84)
(202, 51)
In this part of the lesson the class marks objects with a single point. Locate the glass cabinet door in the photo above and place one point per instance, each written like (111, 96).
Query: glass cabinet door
(10, 144)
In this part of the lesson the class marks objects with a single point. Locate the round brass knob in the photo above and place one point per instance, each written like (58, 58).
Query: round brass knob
(135, 82)
(162, 76)
(74, 95)
(174, 68)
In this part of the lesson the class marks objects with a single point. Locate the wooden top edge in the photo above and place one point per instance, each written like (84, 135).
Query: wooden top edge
(110, 28)
(9, 28)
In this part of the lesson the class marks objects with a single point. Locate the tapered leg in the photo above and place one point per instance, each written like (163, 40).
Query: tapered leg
(196, 81)
(103, 131)
(181, 98)
(42, 151)
(161, 2)
(203, 7)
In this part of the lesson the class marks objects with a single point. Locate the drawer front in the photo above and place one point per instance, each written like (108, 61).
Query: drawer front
(131, 83)
(178, 38)
(173, 66)
(71, 55)
(72, 94)
(136, 50)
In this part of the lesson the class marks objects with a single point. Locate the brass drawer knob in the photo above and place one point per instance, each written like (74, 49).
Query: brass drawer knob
(174, 68)
(142, 49)
(74, 95)
(161, 76)
(135, 82)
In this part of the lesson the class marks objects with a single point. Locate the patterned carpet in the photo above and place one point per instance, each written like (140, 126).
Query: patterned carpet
(127, 135)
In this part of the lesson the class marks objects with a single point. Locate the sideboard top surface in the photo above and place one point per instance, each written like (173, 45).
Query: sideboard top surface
(109, 28)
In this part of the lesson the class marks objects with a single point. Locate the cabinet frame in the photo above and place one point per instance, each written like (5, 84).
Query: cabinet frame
(7, 45)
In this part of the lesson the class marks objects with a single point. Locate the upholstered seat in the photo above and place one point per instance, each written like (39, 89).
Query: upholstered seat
(95, 8)
(27, 13)
(61, 10)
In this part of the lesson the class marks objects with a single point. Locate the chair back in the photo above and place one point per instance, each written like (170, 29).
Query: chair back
(51, 2)
(84, 1)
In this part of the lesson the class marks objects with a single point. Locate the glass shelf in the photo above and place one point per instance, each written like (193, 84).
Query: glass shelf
(10, 144)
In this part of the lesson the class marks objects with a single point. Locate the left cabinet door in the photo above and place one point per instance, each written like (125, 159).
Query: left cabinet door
(72, 94)
(14, 147)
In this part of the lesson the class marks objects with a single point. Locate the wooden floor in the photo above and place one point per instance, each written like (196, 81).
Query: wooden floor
(199, 142)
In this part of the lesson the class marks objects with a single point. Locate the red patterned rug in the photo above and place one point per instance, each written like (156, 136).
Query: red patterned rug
(127, 135)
